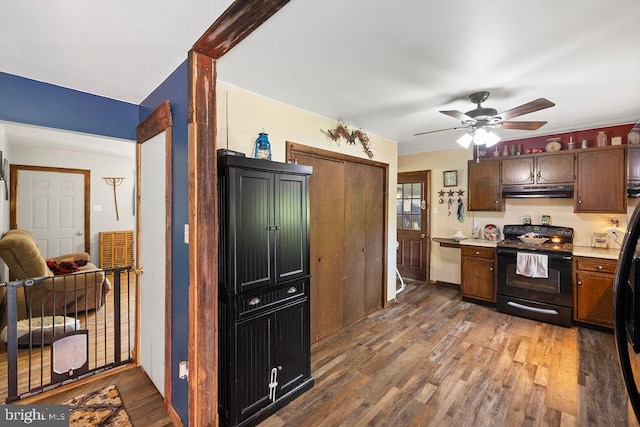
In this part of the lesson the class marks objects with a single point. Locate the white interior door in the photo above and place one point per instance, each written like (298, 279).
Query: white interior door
(50, 205)
(152, 241)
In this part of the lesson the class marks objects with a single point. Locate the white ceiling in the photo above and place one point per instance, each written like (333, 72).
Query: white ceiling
(386, 67)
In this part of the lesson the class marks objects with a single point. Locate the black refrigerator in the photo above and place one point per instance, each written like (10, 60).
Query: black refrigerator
(626, 312)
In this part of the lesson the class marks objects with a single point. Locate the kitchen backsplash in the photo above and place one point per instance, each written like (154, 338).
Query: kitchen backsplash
(561, 213)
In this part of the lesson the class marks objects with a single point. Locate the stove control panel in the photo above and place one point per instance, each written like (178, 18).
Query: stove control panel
(540, 230)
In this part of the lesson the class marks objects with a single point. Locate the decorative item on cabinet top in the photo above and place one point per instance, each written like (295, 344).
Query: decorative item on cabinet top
(263, 148)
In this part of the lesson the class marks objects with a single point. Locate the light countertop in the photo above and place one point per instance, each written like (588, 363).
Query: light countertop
(586, 251)
(479, 242)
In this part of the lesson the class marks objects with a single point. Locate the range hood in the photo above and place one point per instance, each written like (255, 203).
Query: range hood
(564, 191)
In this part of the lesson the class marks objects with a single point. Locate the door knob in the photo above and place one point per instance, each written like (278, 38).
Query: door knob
(422, 236)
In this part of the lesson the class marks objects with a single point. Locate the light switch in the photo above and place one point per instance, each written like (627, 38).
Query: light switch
(97, 208)
(186, 233)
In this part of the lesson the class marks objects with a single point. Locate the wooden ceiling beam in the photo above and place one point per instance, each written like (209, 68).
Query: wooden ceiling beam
(237, 22)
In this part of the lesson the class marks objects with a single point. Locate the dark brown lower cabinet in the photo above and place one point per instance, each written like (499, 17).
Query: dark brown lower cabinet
(593, 290)
(478, 273)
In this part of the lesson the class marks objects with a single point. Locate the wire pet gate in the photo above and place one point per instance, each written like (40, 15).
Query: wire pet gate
(61, 343)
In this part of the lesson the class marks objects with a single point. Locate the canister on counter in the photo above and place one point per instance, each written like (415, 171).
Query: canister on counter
(545, 220)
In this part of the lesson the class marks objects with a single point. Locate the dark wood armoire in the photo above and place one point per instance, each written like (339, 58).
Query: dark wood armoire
(264, 353)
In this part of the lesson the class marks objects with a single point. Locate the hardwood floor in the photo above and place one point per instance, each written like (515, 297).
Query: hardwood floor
(142, 400)
(432, 359)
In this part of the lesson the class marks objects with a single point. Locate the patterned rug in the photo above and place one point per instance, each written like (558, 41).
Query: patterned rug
(99, 408)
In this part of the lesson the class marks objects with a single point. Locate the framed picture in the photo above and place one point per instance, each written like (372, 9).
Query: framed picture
(450, 178)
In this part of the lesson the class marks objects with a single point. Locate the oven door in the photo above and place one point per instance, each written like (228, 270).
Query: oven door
(547, 299)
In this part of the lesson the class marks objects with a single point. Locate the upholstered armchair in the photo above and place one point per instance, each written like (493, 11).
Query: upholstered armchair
(81, 290)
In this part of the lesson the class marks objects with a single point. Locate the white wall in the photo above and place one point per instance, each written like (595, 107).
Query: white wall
(445, 262)
(249, 114)
(34, 146)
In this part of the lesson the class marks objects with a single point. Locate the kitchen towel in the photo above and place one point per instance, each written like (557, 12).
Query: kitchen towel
(532, 265)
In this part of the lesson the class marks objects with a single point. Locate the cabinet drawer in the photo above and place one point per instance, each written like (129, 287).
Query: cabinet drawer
(477, 251)
(596, 265)
(272, 297)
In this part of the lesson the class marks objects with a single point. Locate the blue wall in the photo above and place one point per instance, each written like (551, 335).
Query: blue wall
(174, 89)
(36, 103)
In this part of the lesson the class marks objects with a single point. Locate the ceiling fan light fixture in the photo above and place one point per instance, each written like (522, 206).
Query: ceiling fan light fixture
(483, 137)
(465, 140)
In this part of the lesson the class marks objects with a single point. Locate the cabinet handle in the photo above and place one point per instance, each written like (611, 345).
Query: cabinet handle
(579, 282)
(292, 290)
(277, 227)
(477, 253)
(273, 384)
(490, 268)
(254, 301)
(270, 227)
(599, 267)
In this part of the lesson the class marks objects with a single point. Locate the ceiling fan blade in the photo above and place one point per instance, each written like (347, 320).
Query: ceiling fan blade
(522, 125)
(457, 115)
(529, 107)
(439, 130)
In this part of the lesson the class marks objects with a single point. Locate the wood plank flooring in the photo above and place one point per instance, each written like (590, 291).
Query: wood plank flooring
(432, 359)
(142, 400)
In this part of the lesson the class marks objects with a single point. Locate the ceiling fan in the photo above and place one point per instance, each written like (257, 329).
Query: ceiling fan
(481, 118)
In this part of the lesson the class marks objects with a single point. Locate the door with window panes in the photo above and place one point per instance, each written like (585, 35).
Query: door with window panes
(412, 212)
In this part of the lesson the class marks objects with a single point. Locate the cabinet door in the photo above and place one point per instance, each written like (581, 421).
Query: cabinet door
(252, 365)
(600, 183)
(555, 169)
(251, 220)
(292, 346)
(594, 298)
(633, 163)
(478, 278)
(291, 227)
(518, 171)
(484, 185)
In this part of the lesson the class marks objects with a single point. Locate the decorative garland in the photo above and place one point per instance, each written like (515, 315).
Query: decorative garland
(341, 131)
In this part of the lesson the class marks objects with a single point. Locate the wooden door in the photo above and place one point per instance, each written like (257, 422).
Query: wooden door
(152, 212)
(374, 239)
(353, 280)
(326, 190)
(53, 205)
(413, 225)
(347, 237)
